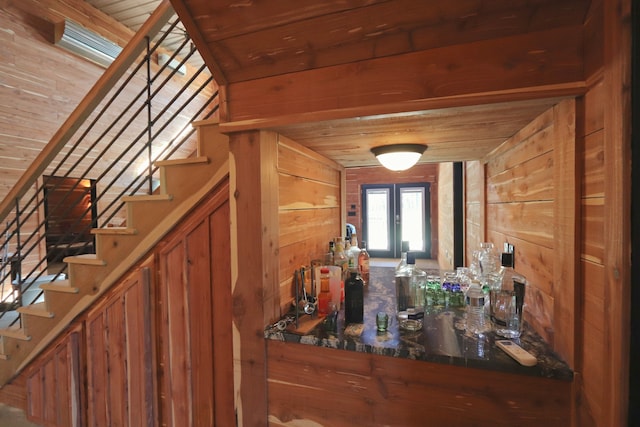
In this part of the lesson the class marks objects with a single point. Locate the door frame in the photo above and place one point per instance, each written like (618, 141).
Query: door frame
(394, 211)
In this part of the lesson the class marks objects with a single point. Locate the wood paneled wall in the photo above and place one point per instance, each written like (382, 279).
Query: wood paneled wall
(43, 83)
(310, 194)
(317, 386)
(119, 362)
(194, 319)
(55, 384)
(356, 177)
(530, 203)
(157, 348)
(519, 210)
(593, 294)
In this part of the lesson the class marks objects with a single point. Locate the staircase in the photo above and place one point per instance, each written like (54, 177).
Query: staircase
(183, 183)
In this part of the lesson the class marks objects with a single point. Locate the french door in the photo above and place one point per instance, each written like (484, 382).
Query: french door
(392, 213)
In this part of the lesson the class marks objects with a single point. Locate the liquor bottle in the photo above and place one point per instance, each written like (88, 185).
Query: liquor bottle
(339, 256)
(411, 285)
(403, 255)
(363, 263)
(353, 251)
(354, 299)
(507, 300)
(328, 257)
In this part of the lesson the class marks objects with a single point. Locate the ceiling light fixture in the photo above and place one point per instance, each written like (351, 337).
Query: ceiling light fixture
(81, 41)
(398, 157)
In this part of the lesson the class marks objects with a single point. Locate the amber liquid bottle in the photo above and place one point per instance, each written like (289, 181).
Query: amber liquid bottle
(325, 292)
(363, 263)
(354, 299)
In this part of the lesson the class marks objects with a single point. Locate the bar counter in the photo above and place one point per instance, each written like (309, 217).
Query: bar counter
(442, 338)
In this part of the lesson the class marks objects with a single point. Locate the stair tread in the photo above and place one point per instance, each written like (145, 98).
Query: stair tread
(115, 230)
(184, 161)
(88, 259)
(38, 309)
(15, 333)
(147, 198)
(60, 286)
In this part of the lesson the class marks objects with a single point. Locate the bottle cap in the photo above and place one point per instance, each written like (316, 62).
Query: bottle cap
(507, 259)
(324, 270)
(411, 258)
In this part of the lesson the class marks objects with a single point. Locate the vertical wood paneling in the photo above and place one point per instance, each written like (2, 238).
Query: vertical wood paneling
(177, 346)
(222, 321)
(115, 339)
(593, 352)
(53, 384)
(198, 269)
(617, 221)
(97, 374)
(565, 230)
(254, 278)
(118, 356)
(195, 328)
(138, 354)
(35, 395)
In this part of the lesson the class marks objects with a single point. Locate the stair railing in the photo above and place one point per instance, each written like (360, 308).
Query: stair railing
(151, 107)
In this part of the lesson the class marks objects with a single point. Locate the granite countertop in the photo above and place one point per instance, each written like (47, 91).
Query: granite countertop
(442, 338)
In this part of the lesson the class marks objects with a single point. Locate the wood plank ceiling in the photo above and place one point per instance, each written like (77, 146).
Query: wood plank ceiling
(245, 40)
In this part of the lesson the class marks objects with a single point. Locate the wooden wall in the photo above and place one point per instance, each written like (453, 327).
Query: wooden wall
(356, 177)
(350, 388)
(310, 194)
(592, 199)
(519, 210)
(43, 84)
(157, 348)
(524, 189)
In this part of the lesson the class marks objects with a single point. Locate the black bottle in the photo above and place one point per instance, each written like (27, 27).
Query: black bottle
(354, 299)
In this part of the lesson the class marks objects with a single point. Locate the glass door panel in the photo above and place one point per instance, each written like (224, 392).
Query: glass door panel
(393, 213)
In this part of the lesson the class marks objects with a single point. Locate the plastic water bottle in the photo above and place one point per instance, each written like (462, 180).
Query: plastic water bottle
(476, 323)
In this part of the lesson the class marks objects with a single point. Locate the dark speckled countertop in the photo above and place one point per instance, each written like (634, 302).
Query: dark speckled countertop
(441, 340)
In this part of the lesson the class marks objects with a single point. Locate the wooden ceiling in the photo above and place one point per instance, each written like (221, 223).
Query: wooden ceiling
(244, 41)
(451, 134)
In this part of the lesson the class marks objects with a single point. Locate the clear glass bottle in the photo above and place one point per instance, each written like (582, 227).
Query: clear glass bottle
(328, 257)
(354, 299)
(507, 300)
(363, 263)
(411, 285)
(404, 249)
(340, 257)
(475, 323)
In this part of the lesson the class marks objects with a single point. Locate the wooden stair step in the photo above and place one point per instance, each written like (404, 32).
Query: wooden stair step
(86, 259)
(38, 309)
(185, 161)
(122, 231)
(60, 286)
(15, 333)
(148, 198)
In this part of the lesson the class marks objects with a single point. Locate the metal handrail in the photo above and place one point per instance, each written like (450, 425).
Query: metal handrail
(155, 123)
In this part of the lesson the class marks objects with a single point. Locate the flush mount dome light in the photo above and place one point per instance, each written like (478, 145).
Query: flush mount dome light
(399, 157)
